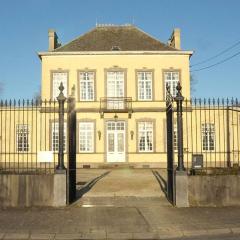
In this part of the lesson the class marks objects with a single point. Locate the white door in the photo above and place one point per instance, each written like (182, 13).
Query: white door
(115, 90)
(116, 141)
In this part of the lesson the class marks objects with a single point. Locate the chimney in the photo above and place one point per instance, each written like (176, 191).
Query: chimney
(52, 40)
(175, 39)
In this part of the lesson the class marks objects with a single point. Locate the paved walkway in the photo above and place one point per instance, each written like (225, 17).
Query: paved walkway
(119, 187)
(142, 214)
(149, 221)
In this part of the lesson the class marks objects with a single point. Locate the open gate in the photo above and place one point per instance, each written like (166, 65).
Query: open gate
(170, 150)
(71, 161)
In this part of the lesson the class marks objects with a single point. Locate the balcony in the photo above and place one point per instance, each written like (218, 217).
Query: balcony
(116, 105)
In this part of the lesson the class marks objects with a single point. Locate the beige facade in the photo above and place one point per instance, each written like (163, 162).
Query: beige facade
(138, 112)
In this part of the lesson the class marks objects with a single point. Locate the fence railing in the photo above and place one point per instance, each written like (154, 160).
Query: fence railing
(211, 134)
(115, 104)
(33, 135)
(28, 135)
(31, 139)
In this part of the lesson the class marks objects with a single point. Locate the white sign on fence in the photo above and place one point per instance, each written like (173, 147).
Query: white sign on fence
(45, 156)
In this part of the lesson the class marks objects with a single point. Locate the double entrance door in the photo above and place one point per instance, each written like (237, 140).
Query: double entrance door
(116, 143)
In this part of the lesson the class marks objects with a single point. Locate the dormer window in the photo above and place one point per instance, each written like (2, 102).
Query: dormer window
(115, 48)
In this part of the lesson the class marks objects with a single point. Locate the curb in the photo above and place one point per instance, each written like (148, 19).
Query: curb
(121, 235)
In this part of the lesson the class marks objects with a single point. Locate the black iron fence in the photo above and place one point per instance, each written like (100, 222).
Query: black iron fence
(205, 135)
(33, 135)
(211, 134)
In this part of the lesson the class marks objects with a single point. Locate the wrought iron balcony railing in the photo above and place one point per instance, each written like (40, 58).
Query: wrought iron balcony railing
(116, 104)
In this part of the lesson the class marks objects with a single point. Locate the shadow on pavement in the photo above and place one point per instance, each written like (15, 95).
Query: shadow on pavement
(162, 182)
(87, 187)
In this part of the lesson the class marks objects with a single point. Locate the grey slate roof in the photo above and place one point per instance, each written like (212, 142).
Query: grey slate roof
(107, 38)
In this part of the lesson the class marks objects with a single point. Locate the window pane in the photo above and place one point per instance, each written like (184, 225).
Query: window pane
(87, 86)
(22, 132)
(171, 79)
(110, 142)
(144, 85)
(120, 137)
(59, 77)
(86, 136)
(55, 136)
(115, 84)
(145, 133)
(208, 137)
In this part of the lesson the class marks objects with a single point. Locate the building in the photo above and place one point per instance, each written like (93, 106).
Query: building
(119, 74)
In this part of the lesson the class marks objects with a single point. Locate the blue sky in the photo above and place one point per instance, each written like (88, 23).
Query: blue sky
(207, 27)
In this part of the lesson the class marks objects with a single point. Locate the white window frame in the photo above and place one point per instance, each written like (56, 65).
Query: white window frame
(145, 134)
(57, 78)
(54, 135)
(208, 136)
(115, 84)
(143, 83)
(87, 79)
(22, 138)
(171, 80)
(85, 138)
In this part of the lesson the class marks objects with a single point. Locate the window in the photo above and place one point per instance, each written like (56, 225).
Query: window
(86, 86)
(55, 136)
(86, 136)
(145, 136)
(171, 79)
(59, 77)
(115, 90)
(144, 85)
(208, 137)
(22, 137)
(115, 84)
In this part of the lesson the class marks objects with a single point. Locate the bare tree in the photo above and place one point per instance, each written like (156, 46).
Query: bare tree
(37, 96)
(193, 83)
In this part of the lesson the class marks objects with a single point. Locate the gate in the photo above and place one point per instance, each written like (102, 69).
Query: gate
(71, 164)
(170, 150)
